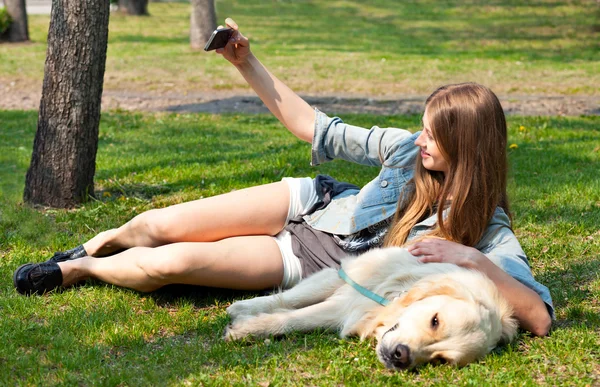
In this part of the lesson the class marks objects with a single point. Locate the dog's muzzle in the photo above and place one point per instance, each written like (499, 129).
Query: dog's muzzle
(396, 357)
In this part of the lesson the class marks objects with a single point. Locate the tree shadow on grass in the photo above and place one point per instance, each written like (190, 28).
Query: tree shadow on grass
(201, 296)
(332, 105)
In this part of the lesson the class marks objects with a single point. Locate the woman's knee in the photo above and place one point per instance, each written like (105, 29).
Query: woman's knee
(154, 226)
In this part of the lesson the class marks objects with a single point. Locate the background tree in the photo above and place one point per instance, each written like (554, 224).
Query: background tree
(18, 30)
(61, 173)
(134, 7)
(203, 22)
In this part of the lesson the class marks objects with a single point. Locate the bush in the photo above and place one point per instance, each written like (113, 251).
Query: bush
(4, 20)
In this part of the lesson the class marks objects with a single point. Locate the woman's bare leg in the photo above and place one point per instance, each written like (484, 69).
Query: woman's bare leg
(247, 262)
(260, 210)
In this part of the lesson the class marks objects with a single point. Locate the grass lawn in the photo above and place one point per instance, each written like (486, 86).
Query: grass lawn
(378, 48)
(96, 334)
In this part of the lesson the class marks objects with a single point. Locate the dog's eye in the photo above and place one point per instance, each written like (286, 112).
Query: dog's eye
(434, 321)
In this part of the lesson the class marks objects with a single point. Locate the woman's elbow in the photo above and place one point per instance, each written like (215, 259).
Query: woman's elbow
(542, 324)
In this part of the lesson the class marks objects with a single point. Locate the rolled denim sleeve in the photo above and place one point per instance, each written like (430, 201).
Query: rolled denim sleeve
(333, 139)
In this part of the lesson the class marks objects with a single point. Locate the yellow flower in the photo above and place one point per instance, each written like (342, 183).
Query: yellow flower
(106, 194)
(521, 128)
(513, 146)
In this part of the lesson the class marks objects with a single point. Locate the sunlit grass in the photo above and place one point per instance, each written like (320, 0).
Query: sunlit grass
(97, 334)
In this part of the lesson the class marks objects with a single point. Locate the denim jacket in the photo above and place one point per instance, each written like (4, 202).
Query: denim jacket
(393, 150)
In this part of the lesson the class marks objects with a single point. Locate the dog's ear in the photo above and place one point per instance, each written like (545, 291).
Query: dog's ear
(500, 308)
(367, 326)
(375, 322)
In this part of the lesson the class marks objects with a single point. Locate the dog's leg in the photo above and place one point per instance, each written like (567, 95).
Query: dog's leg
(325, 314)
(312, 290)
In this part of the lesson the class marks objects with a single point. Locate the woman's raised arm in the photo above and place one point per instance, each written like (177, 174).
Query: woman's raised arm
(293, 112)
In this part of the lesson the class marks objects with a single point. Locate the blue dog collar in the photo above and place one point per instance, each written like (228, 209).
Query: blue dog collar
(362, 290)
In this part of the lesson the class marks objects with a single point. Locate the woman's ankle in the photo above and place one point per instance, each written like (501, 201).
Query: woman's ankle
(73, 272)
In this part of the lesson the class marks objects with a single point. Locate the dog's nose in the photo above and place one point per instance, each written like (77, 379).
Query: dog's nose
(400, 356)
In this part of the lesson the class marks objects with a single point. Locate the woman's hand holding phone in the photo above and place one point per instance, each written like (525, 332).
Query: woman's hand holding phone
(237, 49)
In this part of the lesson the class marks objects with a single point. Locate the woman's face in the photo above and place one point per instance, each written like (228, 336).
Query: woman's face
(432, 157)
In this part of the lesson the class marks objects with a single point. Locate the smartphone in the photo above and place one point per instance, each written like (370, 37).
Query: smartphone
(218, 39)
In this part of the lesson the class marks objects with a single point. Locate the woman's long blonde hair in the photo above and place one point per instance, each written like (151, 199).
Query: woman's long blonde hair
(469, 127)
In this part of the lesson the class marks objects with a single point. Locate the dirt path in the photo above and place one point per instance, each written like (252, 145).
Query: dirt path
(12, 97)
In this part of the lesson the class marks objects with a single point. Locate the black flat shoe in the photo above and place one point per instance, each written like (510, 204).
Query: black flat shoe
(37, 278)
(61, 256)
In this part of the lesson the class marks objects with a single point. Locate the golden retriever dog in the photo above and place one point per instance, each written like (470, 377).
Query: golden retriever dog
(437, 312)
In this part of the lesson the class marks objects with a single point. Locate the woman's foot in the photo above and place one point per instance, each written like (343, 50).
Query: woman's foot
(61, 256)
(37, 278)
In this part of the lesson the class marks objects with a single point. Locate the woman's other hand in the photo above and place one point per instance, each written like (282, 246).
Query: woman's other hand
(237, 49)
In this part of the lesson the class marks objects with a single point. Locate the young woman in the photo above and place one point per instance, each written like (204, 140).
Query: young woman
(449, 181)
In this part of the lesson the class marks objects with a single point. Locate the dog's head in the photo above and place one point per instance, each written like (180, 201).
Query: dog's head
(445, 318)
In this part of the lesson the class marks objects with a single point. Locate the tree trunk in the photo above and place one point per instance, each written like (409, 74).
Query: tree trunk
(134, 7)
(18, 30)
(63, 163)
(203, 22)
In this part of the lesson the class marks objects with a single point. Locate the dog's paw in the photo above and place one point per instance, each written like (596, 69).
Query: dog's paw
(239, 308)
(230, 334)
(250, 307)
(237, 330)
(263, 325)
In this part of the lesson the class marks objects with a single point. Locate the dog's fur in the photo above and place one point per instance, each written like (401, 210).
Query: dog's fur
(439, 312)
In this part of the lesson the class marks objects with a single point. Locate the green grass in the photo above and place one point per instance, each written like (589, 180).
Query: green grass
(97, 334)
(378, 48)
